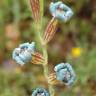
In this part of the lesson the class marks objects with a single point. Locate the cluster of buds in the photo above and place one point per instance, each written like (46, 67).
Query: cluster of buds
(26, 52)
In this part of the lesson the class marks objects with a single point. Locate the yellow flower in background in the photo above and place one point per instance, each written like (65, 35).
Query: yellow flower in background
(18, 70)
(76, 52)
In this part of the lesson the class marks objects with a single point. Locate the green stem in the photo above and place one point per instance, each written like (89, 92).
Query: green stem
(46, 72)
(45, 55)
(42, 7)
(44, 49)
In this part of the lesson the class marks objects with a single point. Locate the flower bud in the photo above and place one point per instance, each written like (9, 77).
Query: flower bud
(23, 54)
(40, 92)
(65, 73)
(60, 11)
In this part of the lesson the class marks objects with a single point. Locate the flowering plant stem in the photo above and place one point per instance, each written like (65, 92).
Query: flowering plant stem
(45, 55)
(46, 73)
(44, 47)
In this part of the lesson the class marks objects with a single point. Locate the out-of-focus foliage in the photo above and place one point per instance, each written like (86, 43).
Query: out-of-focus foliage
(16, 26)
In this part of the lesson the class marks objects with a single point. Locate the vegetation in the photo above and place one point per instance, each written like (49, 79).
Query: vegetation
(74, 42)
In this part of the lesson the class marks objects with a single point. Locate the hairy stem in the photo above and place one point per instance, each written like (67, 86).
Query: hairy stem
(42, 7)
(46, 72)
(44, 48)
(45, 55)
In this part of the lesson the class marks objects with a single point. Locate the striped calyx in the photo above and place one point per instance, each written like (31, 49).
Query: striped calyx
(35, 6)
(50, 30)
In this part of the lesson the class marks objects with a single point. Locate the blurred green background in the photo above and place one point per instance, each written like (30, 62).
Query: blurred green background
(74, 42)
